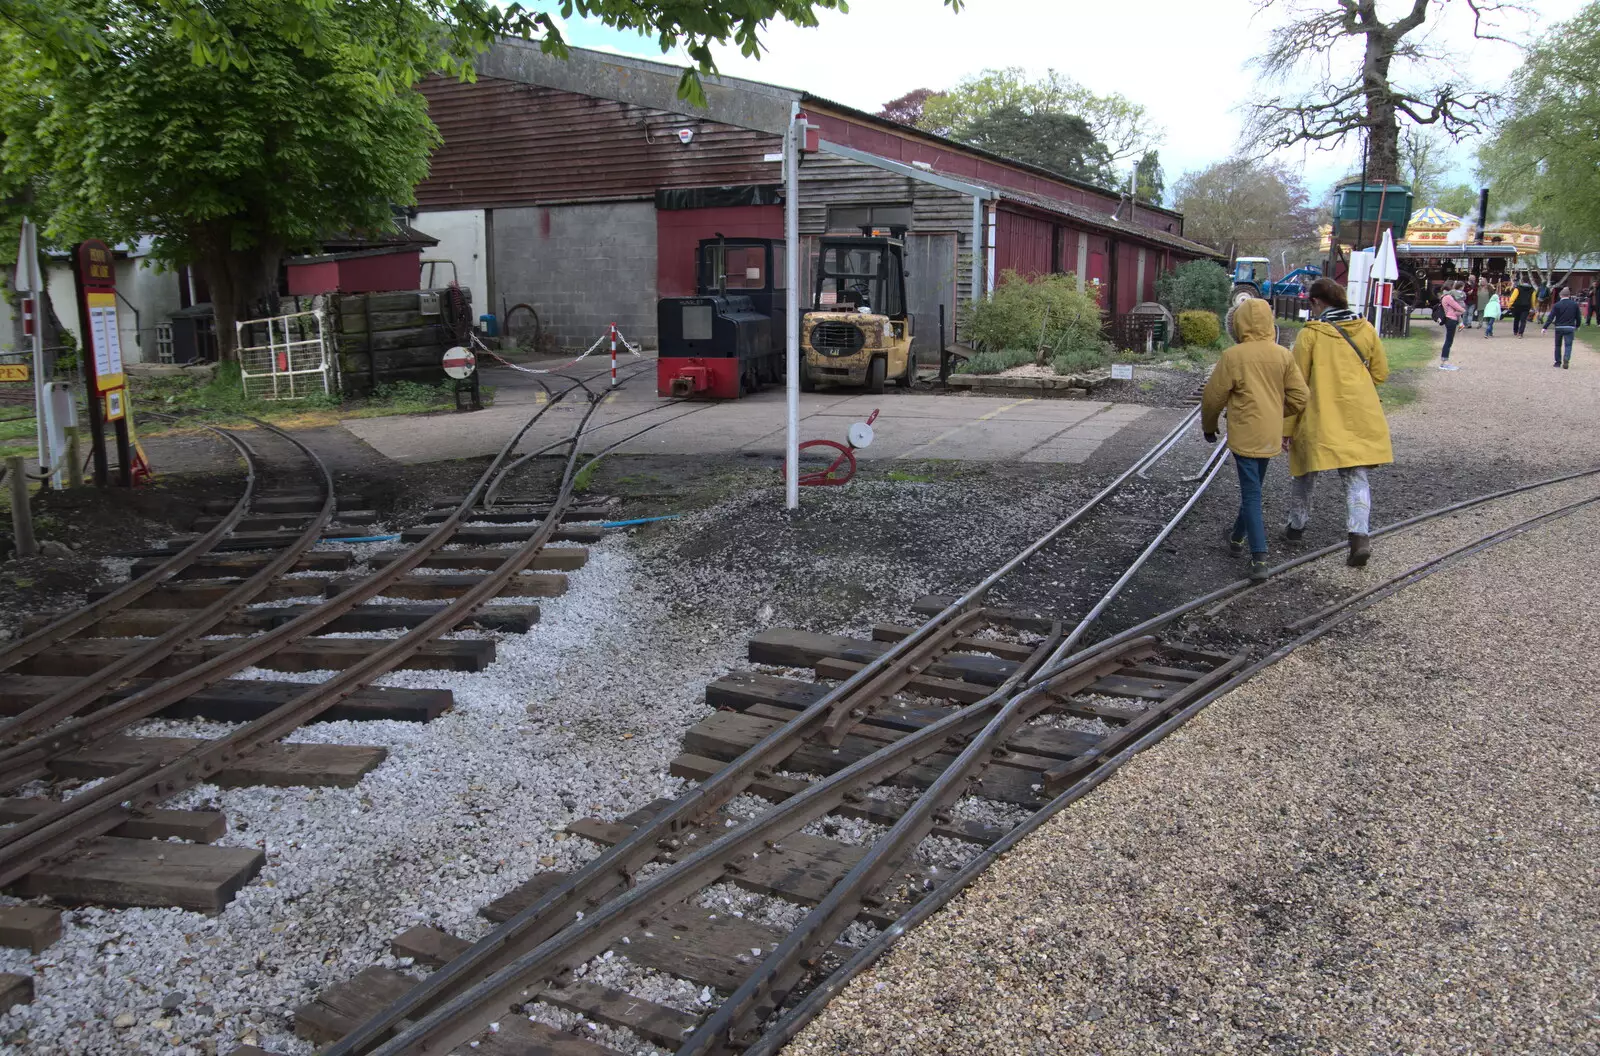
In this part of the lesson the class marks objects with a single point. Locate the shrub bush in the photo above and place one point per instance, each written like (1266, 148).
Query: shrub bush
(995, 362)
(1200, 285)
(1199, 328)
(1021, 309)
(1080, 360)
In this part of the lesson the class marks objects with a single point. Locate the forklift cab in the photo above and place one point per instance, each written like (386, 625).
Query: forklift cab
(862, 274)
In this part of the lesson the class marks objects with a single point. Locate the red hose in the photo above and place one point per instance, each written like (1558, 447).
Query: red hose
(826, 477)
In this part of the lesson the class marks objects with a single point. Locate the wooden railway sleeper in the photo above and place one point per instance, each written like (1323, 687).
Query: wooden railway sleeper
(449, 1004)
(1058, 777)
(147, 784)
(738, 1018)
(844, 713)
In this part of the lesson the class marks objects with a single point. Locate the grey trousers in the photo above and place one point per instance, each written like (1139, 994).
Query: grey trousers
(1357, 499)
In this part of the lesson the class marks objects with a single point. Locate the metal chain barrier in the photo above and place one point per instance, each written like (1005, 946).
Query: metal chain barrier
(480, 348)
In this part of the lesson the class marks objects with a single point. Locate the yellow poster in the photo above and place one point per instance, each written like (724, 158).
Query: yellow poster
(103, 335)
(13, 372)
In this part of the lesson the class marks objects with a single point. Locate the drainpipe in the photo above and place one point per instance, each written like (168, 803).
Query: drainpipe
(994, 230)
(977, 249)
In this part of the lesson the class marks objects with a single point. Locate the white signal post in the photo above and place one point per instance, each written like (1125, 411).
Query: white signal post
(613, 355)
(791, 298)
(28, 282)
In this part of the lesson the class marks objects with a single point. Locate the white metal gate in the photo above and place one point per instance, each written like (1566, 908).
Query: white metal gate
(285, 357)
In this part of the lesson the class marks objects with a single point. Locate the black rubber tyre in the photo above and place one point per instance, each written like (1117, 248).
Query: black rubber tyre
(807, 382)
(907, 379)
(875, 375)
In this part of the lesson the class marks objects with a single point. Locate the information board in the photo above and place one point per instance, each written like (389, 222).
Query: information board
(107, 341)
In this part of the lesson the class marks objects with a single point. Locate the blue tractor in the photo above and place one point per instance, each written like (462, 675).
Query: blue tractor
(1252, 277)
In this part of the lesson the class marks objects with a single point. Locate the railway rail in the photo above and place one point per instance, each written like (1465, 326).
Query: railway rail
(74, 698)
(926, 730)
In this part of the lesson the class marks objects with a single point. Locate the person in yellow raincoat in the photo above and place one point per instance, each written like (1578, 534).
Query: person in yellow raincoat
(1342, 427)
(1257, 383)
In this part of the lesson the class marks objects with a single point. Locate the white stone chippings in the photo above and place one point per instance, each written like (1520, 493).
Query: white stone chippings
(767, 910)
(942, 855)
(845, 830)
(619, 972)
(579, 717)
(1052, 720)
(1004, 815)
(117, 569)
(624, 1041)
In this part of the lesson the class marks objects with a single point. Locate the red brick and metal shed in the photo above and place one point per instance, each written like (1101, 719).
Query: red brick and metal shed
(581, 186)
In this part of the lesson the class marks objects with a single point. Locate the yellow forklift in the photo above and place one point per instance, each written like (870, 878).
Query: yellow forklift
(857, 331)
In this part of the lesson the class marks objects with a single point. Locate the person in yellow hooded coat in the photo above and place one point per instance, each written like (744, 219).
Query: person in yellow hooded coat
(1257, 383)
(1342, 427)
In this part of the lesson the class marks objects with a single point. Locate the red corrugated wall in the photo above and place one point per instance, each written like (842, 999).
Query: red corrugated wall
(679, 231)
(1023, 244)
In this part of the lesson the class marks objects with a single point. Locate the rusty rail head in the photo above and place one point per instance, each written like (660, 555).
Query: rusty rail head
(86, 690)
(128, 593)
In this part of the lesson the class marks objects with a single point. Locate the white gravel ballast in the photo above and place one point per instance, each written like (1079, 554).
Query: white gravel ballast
(579, 717)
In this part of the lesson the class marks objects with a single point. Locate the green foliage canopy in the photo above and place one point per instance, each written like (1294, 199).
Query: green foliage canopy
(1544, 159)
(1058, 142)
(1248, 208)
(1123, 126)
(1199, 285)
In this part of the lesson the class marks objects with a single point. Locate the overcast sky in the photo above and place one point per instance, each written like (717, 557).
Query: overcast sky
(1184, 60)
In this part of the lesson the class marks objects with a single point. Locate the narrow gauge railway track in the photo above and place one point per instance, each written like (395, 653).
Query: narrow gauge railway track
(95, 846)
(973, 705)
(905, 705)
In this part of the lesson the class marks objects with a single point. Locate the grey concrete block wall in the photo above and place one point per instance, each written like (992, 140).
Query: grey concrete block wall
(581, 267)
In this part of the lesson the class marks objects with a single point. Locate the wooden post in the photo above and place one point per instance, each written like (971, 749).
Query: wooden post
(21, 515)
(74, 457)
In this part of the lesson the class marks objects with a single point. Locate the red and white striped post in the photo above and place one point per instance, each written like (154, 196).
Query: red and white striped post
(613, 355)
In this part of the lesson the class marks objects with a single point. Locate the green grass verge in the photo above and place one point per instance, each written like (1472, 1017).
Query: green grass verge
(221, 399)
(1407, 355)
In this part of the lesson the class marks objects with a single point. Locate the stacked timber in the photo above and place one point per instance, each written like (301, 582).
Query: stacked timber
(385, 338)
(382, 338)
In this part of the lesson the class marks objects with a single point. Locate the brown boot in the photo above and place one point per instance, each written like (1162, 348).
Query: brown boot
(1360, 550)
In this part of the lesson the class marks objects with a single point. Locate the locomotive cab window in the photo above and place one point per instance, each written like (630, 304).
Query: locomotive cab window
(734, 267)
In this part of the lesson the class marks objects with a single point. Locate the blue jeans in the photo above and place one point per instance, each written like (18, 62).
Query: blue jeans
(1563, 334)
(1488, 327)
(1449, 339)
(1250, 525)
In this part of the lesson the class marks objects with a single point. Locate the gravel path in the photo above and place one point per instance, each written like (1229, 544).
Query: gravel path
(1387, 843)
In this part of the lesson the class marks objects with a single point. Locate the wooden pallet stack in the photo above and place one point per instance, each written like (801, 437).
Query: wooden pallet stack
(383, 338)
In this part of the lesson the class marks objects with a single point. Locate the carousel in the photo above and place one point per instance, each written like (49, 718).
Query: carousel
(1438, 246)
(1443, 247)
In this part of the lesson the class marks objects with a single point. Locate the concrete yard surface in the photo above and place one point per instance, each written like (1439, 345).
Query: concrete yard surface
(909, 425)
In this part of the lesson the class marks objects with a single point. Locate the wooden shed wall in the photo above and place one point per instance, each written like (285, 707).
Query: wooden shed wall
(507, 143)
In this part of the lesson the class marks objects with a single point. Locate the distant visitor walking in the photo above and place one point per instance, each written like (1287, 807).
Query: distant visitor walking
(1521, 304)
(1565, 315)
(1451, 306)
(1342, 426)
(1491, 313)
(1258, 384)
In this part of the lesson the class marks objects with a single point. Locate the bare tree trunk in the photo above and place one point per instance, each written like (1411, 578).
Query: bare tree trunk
(243, 282)
(1383, 126)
